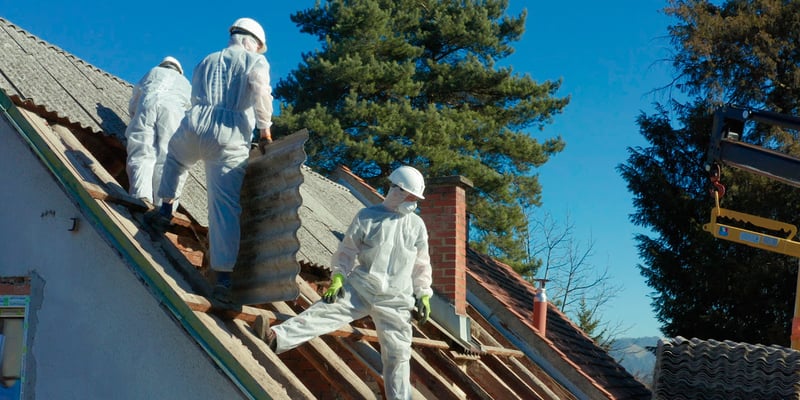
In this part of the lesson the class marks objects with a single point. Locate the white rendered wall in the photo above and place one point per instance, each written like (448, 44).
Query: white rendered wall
(95, 331)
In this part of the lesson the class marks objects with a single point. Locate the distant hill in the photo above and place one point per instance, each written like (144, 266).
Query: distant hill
(638, 356)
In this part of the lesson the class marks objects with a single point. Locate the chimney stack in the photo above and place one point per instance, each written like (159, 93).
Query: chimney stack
(540, 308)
(444, 211)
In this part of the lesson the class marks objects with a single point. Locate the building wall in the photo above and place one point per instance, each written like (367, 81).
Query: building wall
(94, 329)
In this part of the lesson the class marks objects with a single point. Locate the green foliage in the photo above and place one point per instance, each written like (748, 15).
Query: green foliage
(416, 82)
(741, 52)
(593, 327)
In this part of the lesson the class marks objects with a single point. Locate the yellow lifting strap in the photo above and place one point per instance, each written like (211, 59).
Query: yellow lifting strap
(782, 245)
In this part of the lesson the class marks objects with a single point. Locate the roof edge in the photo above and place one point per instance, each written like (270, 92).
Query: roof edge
(512, 327)
(138, 263)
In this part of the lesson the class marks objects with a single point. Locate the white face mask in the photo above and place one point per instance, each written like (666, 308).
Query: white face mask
(395, 201)
(394, 198)
(407, 207)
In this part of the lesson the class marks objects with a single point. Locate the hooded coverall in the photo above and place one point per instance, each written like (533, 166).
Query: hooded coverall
(231, 95)
(158, 104)
(384, 256)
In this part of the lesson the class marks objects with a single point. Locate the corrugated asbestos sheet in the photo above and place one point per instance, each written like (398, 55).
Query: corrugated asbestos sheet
(266, 267)
(709, 369)
(328, 209)
(37, 72)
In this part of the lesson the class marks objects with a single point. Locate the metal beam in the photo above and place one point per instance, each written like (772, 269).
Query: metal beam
(758, 160)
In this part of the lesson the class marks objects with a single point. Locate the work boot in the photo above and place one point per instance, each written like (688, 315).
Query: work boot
(223, 294)
(156, 224)
(222, 287)
(264, 332)
(159, 222)
(147, 203)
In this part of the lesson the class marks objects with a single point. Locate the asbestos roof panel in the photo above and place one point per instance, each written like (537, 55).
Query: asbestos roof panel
(710, 369)
(40, 73)
(266, 266)
(517, 293)
(328, 209)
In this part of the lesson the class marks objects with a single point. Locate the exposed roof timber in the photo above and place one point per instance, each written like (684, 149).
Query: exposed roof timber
(115, 226)
(447, 368)
(93, 177)
(326, 361)
(510, 326)
(491, 382)
(510, 377)
(436, 352)
(522, 367)
(274, 367)
(248, 314)
(99, 193)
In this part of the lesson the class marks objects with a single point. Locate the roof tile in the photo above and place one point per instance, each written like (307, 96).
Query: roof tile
(710, 369)
(517, 293)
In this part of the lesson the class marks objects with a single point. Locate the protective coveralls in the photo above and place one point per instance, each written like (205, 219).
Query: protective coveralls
(159, 101)
(231, 95)
(384, 256)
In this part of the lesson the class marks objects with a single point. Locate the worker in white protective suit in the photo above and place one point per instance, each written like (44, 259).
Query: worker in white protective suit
(156, 108)
(380, 267)
(231, 95)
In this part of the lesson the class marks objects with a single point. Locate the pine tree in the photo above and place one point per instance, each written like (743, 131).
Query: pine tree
(587, 320)
(417, 82)
(741, 52)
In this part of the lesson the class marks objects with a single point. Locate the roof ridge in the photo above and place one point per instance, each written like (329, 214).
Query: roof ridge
(42, 76)
(308, 170)
(62, 51)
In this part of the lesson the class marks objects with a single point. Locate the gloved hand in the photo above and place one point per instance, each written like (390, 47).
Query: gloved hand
(264, 139)
(263, 143)
(335, 290)
(423, 309)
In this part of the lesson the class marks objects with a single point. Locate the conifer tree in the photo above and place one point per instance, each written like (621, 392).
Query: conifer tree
(745, 53)
(418, 83)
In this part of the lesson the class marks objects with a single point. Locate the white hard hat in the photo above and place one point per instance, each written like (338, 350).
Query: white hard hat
(249, 25)
(173, 61)
(409, 179)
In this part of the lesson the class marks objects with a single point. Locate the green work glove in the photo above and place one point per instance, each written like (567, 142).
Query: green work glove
(423, 309)
(335, 289)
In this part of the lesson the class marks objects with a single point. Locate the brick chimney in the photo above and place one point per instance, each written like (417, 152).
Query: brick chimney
(444, 211)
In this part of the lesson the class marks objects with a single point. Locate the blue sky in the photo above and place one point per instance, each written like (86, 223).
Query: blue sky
(609, 55)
